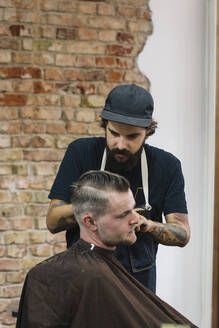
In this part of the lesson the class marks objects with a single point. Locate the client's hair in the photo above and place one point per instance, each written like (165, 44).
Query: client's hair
(89, 193)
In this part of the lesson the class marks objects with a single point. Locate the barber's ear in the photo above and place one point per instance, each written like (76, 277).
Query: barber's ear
(90, 222)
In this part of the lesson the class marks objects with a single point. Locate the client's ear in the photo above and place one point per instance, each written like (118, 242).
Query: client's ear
(90, 222)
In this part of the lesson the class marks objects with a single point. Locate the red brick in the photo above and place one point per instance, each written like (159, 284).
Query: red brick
(115, 76)
(15, 29)
(86, 88)
(126, 63)
(95, 76)
(125, 37)
(11, 211)
(4, 304)
(33, 127)
(3, 27)
(10, 292)
(58, 248)
(23, 86)
(40, 113)
(71, 75)
(8, 113)
(46, 32)
(5, 142)
(105, 61)
(87, 8)
(71, 101)
(57, 238)
(56, 128)
(63, 87)
(49, 5)
(10, 127)
(85, 61)
(64, 60)
(23, 58)
(36, 210)
(127, 11)
(25, 4)
(95, 129)
(2, 253)
(19, 72)
(76, 128)
(12, 100)
(43, 100)
(44, 58)
(15, 277)
(134, 76)
(5, 224)
(117, 50)
(11, 44)
(37, 183)
(140, 26)
(5, 56)
(107, 35)
(143, 13)
(43, 87)
(106, 9)
(16, 251)
(89, 47)
(85, 115)
(6, 319)
(104, 22)
(20, 30)
(65, 34)
(66, 20)
(33, 141)
(5, 197)
(22, 224)
(87, 34)
(43, 155)
(9, 265)
(19, 169)
(43, 169)
(41, 250)
(67, 6)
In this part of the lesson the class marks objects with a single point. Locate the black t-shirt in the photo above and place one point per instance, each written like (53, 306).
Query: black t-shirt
(166, 195)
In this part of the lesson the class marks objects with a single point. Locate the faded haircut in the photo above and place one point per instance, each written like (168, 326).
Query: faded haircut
(89, 193)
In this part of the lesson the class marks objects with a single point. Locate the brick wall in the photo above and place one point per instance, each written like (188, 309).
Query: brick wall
(58, 60)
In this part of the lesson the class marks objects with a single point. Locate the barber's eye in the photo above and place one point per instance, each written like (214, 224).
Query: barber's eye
(132, 137)
(115, 134)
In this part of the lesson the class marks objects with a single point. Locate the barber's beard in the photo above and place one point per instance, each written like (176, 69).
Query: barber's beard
(122, 166)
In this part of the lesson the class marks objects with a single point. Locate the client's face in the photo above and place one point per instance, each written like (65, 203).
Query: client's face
(117, 225)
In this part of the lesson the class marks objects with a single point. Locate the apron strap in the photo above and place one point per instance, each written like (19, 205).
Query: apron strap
(144, 173)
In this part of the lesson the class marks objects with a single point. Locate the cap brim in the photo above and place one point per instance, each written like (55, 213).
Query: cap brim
(106, 115)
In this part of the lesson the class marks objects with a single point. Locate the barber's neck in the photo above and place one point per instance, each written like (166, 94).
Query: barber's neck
(93, 238)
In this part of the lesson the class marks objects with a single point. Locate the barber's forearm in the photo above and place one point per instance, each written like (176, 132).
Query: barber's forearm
(169, 234)
(60, 216)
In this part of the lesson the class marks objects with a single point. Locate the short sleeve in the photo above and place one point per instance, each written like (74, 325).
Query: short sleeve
(175, 201)
(69, 171)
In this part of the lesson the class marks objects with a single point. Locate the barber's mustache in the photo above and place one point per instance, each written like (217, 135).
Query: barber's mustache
(121, 152)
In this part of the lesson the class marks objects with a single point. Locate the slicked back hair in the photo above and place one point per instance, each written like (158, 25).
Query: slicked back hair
(90, 192)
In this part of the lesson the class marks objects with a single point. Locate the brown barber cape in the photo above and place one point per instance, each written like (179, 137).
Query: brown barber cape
(86, 287)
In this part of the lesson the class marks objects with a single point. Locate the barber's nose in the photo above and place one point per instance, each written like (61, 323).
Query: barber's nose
(121, 143)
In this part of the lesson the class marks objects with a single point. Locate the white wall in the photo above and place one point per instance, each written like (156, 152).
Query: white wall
(175, 60)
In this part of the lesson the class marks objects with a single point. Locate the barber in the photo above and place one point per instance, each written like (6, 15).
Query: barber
(155, 177)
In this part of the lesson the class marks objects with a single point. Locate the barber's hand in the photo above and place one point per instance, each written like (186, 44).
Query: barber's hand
(142, 225)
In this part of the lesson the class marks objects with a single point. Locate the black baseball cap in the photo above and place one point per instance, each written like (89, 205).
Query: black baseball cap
(129, 104)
